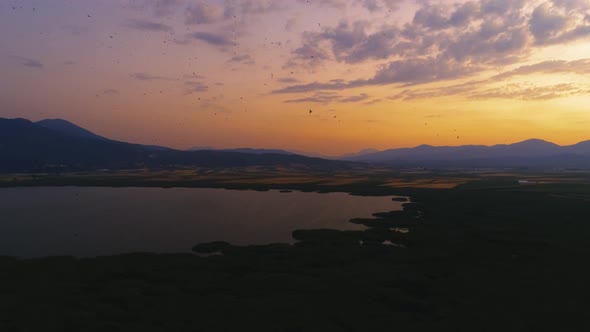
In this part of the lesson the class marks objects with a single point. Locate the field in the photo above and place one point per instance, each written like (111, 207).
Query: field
(483, 252)
(277, 178)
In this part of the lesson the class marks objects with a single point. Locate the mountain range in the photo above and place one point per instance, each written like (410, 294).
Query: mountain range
(243, 150)
(52, 144)
(529, 153)
(58, 145)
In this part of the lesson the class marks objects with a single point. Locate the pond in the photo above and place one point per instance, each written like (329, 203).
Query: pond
(91, 221)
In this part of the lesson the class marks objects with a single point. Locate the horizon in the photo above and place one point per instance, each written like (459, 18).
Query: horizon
(368, 150)
(330, 77)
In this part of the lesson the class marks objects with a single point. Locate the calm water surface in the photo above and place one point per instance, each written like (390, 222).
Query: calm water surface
(85, 221)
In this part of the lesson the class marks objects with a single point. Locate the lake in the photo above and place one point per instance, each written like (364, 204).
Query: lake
(91, 221)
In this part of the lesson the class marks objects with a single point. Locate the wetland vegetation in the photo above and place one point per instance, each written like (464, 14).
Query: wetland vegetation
(486, 255)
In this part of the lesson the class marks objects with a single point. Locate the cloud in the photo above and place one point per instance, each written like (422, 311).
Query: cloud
(32, 63)
(159, 8)
(445, 91)
(313, 87)
(355, 99)
(287, 80)
(193, 76)
(243, 58)
(215, 39)
(327, 97)
(373, 101)
(574, 34)
(347, 42)
(292, 23)
(207, 13)
(147, 25)
(320, 98)
(214, 104)
(560, 21)
(371, 5)
(194, 87)
(480, 89)
(546, 22)
(28, 62)
(254, 7)
(581, 67)
(110, 92)
(473, 88)
(414, 71)
(165, 7)
(436, 31)
(203, 13)
(148, 77)
(309, 54)
(339, 4)
(524, 92)
(444, 41)
(572, 5)
(403, 72)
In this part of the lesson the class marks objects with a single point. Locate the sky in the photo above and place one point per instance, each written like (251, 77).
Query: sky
(324, 76)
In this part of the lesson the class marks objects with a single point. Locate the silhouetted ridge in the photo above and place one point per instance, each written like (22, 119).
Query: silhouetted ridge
(30, 147)
(243, 150)
(528, 153)
(68, 128)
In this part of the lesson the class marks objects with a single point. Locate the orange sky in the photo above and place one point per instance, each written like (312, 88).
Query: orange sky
(375, 73)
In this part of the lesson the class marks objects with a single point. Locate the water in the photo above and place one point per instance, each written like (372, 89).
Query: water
(82, 221)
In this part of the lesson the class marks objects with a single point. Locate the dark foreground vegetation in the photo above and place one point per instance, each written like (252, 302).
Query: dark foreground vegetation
(485, 256)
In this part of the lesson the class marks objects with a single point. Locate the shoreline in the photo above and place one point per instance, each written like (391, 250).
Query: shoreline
(479, 255)
(365, 222)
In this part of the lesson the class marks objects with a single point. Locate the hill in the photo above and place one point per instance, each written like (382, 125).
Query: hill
(26, 146)
(243, 150)
(529, 153)
(68, 128)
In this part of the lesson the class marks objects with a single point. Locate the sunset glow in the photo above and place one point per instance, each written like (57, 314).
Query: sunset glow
(323, 76)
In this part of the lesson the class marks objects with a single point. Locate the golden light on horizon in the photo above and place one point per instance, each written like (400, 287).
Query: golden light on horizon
(396, 74)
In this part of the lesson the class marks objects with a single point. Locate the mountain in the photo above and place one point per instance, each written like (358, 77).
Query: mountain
(26, 146)
(59, 145)
(580, 148)
(266, 151)
(243, 150)
(68, 128)
(359, 154)
(529, 153)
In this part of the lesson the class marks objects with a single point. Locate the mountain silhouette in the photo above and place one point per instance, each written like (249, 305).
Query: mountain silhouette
(68, 128)
(358, 154)
(243, 150)
(529, 153)
(59, 145)
(26, 146)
